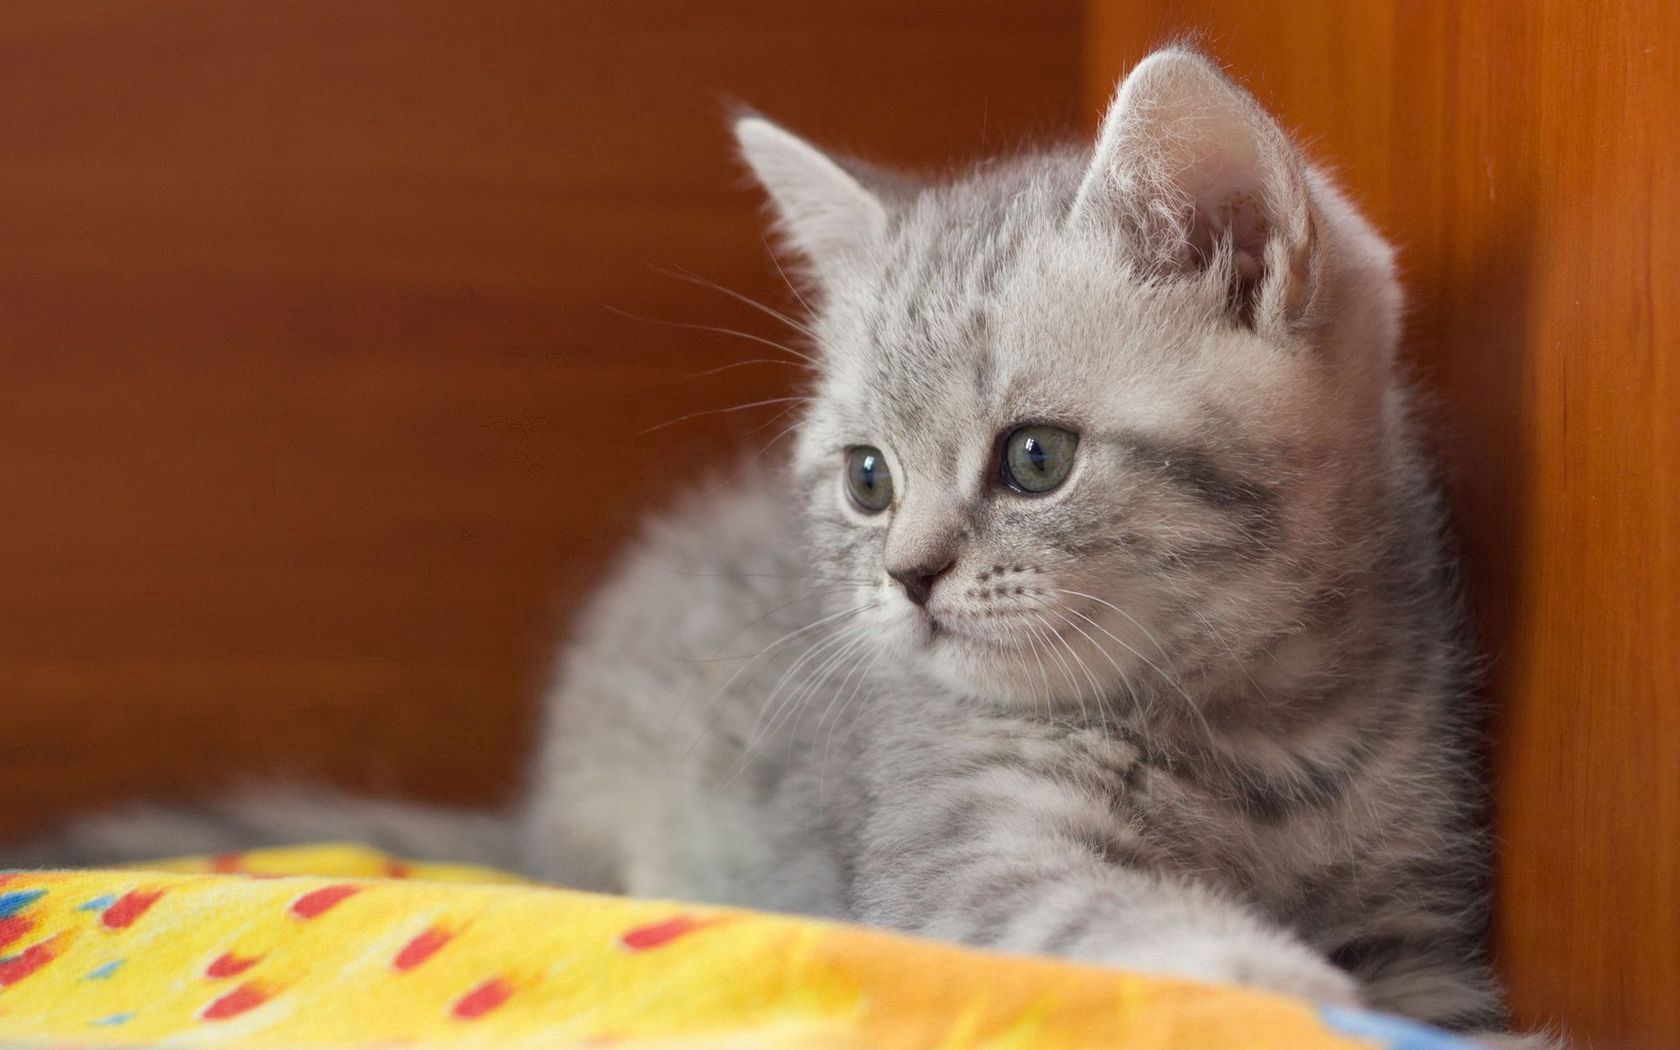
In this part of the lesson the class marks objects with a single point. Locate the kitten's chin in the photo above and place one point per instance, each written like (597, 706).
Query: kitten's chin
(1036, 670)
(994, 669)
(992, 677)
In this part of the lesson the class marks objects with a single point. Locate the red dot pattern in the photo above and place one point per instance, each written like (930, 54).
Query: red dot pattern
(251, 990)
(242, 999)
(26, 962)
(129, 907)
(230, 965)
(659, 934)
(13, 928)
(317, 902)
(481, 1000)
(421, 948)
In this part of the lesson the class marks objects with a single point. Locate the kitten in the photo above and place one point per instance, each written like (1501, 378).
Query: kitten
(1102, 609)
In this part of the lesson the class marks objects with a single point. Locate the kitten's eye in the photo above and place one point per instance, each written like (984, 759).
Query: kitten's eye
(1038, 458)
(868, 481)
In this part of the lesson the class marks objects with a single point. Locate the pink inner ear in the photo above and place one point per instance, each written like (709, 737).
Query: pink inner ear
(1228, 205)
(1230, 208)
(1188, 162)
(1248, 229)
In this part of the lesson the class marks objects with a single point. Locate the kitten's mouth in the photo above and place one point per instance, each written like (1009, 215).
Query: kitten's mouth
(994, 631)
(953, 630)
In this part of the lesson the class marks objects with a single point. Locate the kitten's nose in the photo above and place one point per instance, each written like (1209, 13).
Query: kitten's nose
(918, 580)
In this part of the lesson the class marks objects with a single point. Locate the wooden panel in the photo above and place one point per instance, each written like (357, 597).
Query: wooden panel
(313, 416)
(1524, 157)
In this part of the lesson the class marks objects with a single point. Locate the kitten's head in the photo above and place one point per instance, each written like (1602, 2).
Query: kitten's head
(1089, 421)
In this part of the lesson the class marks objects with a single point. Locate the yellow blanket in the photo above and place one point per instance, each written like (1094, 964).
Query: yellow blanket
(241, 950)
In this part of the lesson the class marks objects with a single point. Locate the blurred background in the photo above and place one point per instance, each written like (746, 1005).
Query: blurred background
(331, 337)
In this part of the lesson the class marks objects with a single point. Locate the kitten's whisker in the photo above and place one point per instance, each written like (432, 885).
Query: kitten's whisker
(1102, 699)
(815, 682)
(717, 330)
(1084, 714)
(840, 719)
(768, 445)
(833, 584)
(777, 709)
(769, 423)
(1139, 700)
(1048, 698)
(741, 467)
(794, 701)
(682, 705)
(866, 668)
(722, 411)
(742, 364)
(740, 297)
(835, 633)
(1195, 708)
(823, 577)
(1064, 617)
(839, 637)
(717, 656)
(1132, 619)
(1097, 691)
(803, 305)
(862, 664)
(1049, 687)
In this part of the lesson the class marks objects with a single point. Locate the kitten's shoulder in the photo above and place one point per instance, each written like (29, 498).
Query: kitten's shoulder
(726, 550)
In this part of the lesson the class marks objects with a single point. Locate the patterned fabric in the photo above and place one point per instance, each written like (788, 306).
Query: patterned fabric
(235, 950)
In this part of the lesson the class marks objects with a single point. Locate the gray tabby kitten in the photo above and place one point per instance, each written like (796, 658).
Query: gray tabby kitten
(1102, 610)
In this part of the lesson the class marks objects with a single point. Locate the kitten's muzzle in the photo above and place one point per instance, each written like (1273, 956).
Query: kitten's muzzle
(918, 580)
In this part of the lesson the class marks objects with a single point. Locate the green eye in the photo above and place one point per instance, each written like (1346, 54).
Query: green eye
(1038, 458)
(868, 481)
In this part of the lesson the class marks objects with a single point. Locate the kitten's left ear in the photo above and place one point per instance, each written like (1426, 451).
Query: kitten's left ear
(1188, 162)
(824, 213)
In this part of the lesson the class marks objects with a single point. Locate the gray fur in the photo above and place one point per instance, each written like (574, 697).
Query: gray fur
(265, 817)
(1203, 709)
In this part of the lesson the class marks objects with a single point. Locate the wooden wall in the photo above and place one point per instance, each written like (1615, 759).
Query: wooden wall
(1525, 158)
(313, 415)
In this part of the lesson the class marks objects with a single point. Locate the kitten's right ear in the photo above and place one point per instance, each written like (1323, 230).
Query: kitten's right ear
(823, 212)
(1189, 165)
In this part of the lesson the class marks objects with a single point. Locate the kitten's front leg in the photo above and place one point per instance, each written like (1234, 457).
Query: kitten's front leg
(1019, 847)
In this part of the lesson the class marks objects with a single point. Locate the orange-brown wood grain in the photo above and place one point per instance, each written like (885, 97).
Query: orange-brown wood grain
(1524, 158)
(313, 415)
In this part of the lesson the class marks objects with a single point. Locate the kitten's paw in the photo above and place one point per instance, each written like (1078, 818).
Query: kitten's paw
(1273, 964)
(1291, 969)
(1519, 1041)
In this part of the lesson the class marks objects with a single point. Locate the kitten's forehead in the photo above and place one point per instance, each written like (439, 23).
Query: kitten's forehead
(927, 310)
(983, 310)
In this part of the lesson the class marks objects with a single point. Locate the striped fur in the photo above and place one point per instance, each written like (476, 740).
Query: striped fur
(1204, 709)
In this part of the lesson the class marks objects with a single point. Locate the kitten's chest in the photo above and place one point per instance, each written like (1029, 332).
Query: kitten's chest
(1207, 825)
(1175, 813)
(1148, 804)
